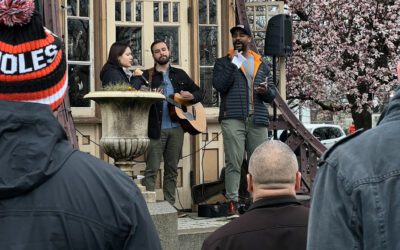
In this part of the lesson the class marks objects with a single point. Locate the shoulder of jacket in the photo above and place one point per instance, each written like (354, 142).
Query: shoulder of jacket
(223, 61)
(256, 55)
(341, 142)
(175, 70)
(224, 58)
(149, 70)
(111, 67)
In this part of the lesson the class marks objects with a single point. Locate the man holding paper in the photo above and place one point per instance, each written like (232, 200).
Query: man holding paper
(245, 84)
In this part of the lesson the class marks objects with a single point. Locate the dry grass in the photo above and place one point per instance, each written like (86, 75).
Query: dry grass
(119, 86)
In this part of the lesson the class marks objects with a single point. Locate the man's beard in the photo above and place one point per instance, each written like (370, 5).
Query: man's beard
(162, 60)
(240, 47)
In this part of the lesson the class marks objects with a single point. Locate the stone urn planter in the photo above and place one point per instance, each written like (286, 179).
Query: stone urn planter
(124, 116)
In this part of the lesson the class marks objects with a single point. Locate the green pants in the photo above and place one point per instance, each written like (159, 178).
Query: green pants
(240, 137)
(169, 147)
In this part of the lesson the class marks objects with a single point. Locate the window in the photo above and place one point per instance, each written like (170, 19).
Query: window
(78, 50)
(258, 15)
(166, 26)
(321, 133)
(334, 133)
(208, 42)
(327, 133)
(128, 20)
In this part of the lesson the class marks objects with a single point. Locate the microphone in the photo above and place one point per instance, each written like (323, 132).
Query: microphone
(235, 48)
(146, 82)
(139, 72)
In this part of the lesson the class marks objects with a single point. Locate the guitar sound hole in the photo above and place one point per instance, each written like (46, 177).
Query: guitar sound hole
(184, 108)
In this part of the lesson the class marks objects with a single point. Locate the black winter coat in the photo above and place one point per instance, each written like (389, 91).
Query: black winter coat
(231, 83)
(271, 223)
(111, 74)
(55, 197)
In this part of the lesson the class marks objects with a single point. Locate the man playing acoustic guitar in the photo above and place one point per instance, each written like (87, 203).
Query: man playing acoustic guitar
(166, 134)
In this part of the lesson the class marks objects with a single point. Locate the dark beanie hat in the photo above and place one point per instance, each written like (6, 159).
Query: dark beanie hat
(32, 62)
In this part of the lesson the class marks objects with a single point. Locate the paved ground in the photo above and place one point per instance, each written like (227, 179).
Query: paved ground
(192, 222)
(193, 230)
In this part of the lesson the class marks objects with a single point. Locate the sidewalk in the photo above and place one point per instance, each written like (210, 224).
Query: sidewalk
(192, 230)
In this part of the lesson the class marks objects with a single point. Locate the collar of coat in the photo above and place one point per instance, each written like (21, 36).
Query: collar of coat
(275, 201)
(257, 61)
(256, 56)
(170, 69)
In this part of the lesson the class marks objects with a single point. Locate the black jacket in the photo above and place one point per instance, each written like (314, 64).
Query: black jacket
(55, 197)
(180, 81)
(271, 223)
(231, 83)
(111, 74)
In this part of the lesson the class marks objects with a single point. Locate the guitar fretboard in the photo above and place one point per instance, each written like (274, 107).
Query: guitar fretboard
(173, 102)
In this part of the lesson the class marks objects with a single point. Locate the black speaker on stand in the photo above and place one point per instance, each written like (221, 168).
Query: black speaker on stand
(278, 43)
(278, 37)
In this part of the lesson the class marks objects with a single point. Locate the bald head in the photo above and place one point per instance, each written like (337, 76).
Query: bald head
(273, 165)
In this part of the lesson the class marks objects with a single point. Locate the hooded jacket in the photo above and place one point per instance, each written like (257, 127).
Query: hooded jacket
(231, 83)
(355, 201)
(55, 197)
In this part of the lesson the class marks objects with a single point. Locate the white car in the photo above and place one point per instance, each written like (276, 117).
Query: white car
(328, 134)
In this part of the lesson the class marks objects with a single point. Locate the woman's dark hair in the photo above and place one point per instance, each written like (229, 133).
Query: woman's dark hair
(157, 42)
(116, 50)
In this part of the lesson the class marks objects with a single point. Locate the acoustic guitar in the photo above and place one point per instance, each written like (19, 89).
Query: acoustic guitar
(191, 116)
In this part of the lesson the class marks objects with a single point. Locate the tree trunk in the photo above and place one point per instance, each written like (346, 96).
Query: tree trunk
(362, 120)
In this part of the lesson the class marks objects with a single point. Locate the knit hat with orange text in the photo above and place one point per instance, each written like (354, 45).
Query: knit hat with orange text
(32, 62)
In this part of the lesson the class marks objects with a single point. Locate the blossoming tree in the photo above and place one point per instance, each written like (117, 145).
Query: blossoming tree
(345, 54)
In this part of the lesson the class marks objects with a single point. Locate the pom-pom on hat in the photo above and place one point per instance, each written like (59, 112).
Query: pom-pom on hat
(32, 62)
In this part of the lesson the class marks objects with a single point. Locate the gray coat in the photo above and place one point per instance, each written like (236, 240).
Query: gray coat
(232, 86)
(55, 197)
(355, 201)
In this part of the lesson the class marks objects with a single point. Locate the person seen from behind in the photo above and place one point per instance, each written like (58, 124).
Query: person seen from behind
(355, 203)
(275, 220)
(51, 195)
(352, 128)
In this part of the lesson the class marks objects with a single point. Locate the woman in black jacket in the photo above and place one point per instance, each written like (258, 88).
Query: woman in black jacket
(116, 69)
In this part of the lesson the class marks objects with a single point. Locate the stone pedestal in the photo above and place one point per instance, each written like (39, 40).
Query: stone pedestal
(124, 117)
(124, 123)
(165, 218)
(124, 127)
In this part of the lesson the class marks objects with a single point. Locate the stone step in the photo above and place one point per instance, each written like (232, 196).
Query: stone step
(188, 231)
(193, 230)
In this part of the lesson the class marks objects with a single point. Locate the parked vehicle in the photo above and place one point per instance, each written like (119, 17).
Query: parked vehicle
(328, 134)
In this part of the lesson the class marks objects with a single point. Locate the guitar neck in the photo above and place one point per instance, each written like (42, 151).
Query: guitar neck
(173, 102)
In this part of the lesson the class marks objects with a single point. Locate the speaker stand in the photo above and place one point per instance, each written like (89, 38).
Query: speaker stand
(276, 86)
